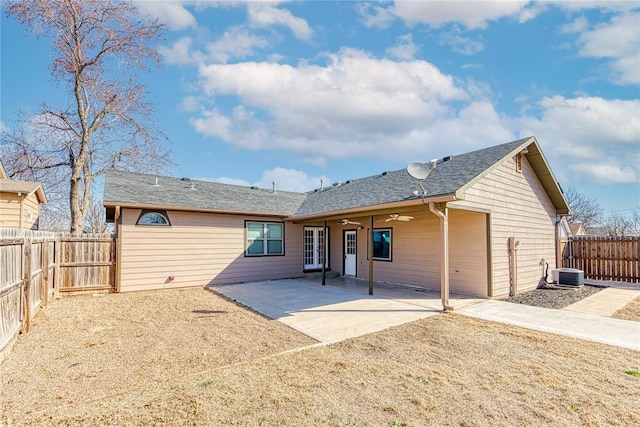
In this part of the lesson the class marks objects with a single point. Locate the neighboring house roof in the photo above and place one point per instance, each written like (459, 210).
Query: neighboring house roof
(577, 229)
(153, 191)
(23, 187)
(452, 177)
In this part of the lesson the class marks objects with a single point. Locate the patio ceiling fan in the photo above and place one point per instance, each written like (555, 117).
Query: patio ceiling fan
(397, 217)
(346, 221)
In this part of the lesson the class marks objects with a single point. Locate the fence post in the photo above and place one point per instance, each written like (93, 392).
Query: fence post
(56, 268)
(45, 272)
(26, 326)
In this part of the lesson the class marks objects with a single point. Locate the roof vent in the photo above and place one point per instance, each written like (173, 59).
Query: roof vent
(185, 179)
(384, 173)
(337, 184)
(446, 159)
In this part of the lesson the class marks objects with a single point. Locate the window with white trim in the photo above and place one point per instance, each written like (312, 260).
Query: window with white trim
(264, 238)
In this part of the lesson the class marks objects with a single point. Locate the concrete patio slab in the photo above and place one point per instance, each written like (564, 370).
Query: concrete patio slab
(326, 313)
(586, 326)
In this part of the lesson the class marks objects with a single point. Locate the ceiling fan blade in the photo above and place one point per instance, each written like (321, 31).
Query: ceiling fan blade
(404, 218)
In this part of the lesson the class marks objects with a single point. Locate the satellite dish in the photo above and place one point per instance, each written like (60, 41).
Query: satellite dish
(418, 171)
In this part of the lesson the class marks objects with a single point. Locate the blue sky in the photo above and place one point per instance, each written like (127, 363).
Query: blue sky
(296, 92)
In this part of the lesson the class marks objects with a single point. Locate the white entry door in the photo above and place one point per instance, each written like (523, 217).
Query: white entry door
(313, 241)
(350, 253)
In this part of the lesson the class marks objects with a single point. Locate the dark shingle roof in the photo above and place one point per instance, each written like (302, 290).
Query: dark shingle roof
(448, 177)
(127, 188)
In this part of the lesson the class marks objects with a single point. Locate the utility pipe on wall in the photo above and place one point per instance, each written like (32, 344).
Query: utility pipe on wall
(513, 265)
(444, 254)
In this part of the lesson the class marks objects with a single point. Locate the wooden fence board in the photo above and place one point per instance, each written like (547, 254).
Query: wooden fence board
(604, 258)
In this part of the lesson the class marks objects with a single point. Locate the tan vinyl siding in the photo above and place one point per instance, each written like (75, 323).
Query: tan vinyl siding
(520, 208)
(467, 252)
(30, 204)
(10, 210)
(199, 249)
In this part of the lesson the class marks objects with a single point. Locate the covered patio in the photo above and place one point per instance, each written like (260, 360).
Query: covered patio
(342, 308)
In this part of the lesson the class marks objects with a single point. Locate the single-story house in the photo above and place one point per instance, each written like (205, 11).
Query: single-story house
(20, 202)
(479, 223)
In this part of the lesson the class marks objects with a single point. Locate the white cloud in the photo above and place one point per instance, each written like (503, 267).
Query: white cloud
(266, 14)
(595, 138)
(405, 49)
(172, 13)
(618, 40)
(180, 52)
(310, 108)
(459, 43)
(472, 14)
(290, 180)
(236, 42)
(212, 123)
(577, 26)
(374, 16)
(285, 180)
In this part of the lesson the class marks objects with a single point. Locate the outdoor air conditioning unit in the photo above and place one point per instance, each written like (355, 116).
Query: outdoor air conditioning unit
(568, 276)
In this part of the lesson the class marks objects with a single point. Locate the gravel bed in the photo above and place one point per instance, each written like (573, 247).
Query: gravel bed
(550, 297)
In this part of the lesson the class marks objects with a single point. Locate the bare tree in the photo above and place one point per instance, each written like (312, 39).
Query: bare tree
(618, 225)
(584, 209)
(99, 46)
(95, 220)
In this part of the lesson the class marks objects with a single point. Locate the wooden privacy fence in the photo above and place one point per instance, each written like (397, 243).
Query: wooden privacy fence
(37, 264)
(604, 258)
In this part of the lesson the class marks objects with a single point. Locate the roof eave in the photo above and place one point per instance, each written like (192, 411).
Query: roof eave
(108, 204)
(332, 215)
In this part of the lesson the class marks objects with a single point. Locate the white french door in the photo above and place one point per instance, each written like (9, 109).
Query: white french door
(312, 251)
(350, 253)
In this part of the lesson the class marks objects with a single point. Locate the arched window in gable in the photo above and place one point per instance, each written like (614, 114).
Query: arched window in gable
(148, 217)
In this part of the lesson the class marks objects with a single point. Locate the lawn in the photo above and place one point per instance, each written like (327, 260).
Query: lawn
(189, 357)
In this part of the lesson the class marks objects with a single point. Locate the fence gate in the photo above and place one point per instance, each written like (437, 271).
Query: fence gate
(86, 262)
(604, 258)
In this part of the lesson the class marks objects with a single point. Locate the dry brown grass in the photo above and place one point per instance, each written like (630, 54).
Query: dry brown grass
(630, 311)
(149, 359)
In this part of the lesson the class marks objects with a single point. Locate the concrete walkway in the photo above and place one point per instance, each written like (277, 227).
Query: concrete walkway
(332, 314)
(586, 326)
(607, 301)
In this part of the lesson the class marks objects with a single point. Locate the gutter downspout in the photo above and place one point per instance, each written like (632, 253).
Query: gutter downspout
(444, 254)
